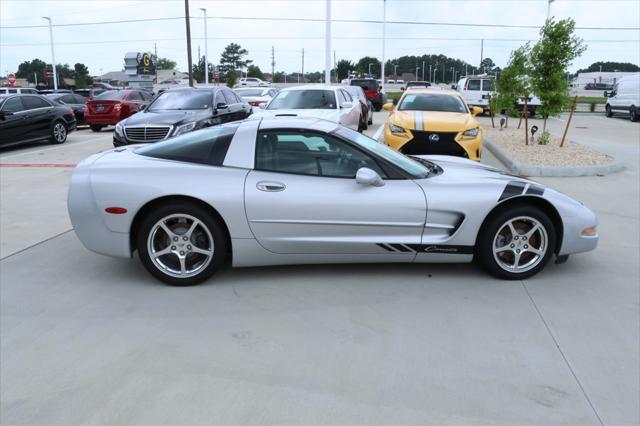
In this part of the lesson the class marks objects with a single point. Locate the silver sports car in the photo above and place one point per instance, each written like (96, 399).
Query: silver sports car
(294, 191)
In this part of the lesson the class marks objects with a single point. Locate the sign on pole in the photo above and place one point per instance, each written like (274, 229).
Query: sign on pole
(11, 78)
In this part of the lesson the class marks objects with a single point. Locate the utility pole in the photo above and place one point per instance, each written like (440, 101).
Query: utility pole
(35, 76)
(481, 51)
(189, 61)
(395, 72)
(273, 64)
(206, 50)
(429, 72)
(53, 57)
(549, 7)
(417, 68)
(443, 68)
(334, 65)
(155, 50)
(199, 55)
(303, 65)
(422, 70)
(327, 44)
(384, 39)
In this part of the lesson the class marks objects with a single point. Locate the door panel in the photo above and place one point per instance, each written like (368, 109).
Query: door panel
(291, 213)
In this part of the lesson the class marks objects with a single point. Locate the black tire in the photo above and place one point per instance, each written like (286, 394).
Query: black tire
(633, 114)
(96, 127)
(607, 111)
(150, 234)
(58, 132)
(370, 122)
(493, 232)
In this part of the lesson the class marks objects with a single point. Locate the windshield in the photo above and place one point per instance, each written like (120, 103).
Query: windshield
(430, 102)
(304, 99)
(181, 99)
(410, 166)
(354, 91)
(250, 92)
(111, 94)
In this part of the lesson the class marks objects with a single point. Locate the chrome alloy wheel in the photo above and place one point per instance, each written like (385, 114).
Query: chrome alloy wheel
(180, 245)
(59, 132)
(520, 244)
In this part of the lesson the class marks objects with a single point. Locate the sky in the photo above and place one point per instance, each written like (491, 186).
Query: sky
(102, 46)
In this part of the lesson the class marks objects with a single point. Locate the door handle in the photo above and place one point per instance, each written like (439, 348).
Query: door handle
(270, 186)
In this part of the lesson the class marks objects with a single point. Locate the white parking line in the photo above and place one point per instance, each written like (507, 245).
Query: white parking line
(3, 157)
(378, 133)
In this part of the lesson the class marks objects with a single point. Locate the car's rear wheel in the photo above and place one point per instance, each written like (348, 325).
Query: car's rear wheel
(181, 244)
(516, 243)
(633, 114)
(607, 111)
(96, 127)
(58, 132)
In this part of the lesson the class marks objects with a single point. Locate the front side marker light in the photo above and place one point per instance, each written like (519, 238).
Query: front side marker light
(589, 231)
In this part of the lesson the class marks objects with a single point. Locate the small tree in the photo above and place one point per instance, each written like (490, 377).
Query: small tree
(514, 81)
(232, 77)
(234, 56)
(550, 57)
(343, 67)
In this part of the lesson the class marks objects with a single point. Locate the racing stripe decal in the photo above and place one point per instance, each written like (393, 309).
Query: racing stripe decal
(418, 115)
(535, 190)
(427, 248)
(512, 189)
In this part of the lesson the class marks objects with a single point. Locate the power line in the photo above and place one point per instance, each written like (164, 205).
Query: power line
(351, 21)
(72, 43)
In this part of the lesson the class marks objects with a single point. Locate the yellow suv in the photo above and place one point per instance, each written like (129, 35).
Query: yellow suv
(433, 122)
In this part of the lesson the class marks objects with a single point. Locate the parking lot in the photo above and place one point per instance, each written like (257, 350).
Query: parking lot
(88, 339)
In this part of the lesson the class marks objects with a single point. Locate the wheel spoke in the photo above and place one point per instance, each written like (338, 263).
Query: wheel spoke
(183, 266)
(532, 231)
(516, 260)
(194, 225)
(166, 229)
(502, 249)
(199, 250)
(512, 229)
(535, 251)
(162, 252)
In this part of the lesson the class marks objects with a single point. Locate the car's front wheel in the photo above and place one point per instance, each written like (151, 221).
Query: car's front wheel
(607, 111)
(633, 114)
(516, 243)
(181, 244)
(96, 127)
(58, 132)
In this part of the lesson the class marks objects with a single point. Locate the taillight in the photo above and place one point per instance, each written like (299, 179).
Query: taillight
(117, 107)
(466, 83)
(85, 109)
(116, 210)
(256, 103)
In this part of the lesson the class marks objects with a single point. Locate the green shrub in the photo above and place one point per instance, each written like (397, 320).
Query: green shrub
(544, 138)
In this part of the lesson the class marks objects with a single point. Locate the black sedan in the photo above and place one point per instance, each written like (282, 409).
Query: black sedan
(27, 118)
(76, 102)
(179, 111)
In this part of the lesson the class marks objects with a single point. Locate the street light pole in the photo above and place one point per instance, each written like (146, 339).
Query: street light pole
(395, 72)
(452, 75)
(422, 70)
(549, 7)
(188, 25)
(384, 36)
(53, 57)
(327, 45)
(429, 73)
(417, 68)
(370, 68)
(206, 56)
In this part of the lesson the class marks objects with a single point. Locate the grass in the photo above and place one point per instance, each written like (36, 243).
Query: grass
(591, 100)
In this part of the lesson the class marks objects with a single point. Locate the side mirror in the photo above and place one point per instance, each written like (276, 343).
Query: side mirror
(346, 105)
(388, 106)
(5, 113)
(366, 176)
(476, 111)
(454, 86)
(262, 105)
(607, 94)
(221, 105)
(402, 88)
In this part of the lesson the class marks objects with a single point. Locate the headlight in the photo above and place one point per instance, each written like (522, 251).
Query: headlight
(119, 129)
(185, 128)
(472, 133)
(396, 129)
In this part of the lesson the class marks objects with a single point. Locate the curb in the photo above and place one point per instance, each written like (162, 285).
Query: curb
(522, 169)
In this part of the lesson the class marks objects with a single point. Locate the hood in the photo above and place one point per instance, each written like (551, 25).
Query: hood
(325, 114)
(462, 169)
(165, 117)
(435, 121)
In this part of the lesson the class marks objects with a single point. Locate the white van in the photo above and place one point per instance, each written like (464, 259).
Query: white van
(476, 90)
(625, 97)
(253, 82)
(23, 90)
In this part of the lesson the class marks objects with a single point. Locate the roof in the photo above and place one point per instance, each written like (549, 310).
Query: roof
(432, 91)
(297, 122)
(311, 87)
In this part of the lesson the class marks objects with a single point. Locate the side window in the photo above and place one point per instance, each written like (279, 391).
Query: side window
(308, 153)
(68, 99)
(13, 90)
(218, 98)
(80, 99)
(33, 102)
(135, 96)
(228, 96)
(13, 105)
(473, 85)
(347, 96)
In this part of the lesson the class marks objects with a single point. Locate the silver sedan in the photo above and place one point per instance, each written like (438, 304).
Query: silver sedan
(296, 191)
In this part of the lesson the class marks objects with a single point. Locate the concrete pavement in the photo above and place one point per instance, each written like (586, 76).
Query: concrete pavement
(86, 339)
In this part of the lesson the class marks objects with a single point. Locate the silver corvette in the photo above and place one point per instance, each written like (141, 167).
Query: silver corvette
(294, 191)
